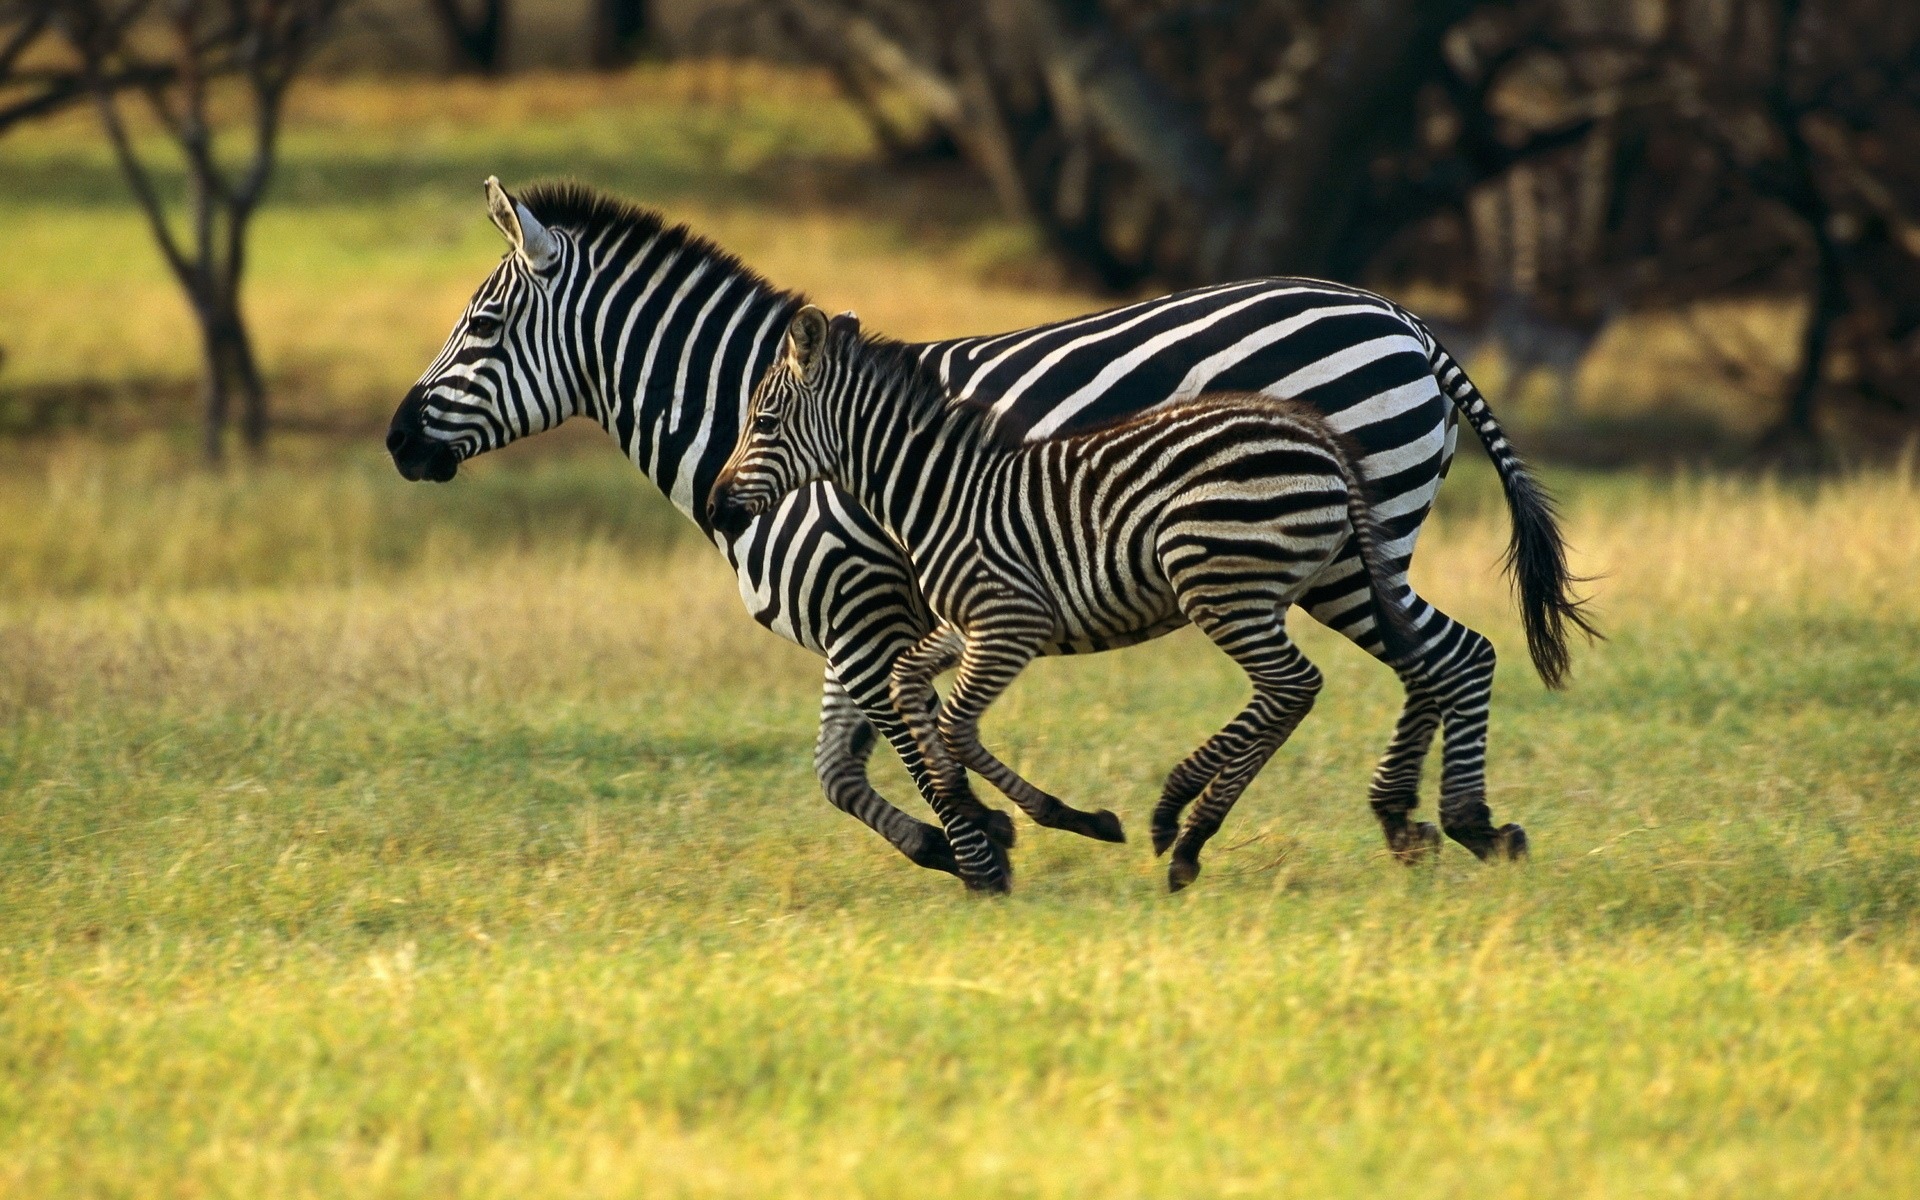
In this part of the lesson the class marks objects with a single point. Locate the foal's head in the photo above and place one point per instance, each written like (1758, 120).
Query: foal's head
(790, 438)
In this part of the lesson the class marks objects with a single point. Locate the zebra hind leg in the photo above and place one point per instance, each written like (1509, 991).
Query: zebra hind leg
(1184, 785)
(1458, 668)
(1395, 790)
(1339, 599)
(1450, 684)
(840, 760)
(1454, 680)
(1285, 685)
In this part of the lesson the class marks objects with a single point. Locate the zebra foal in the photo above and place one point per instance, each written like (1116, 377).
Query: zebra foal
(1219, 511)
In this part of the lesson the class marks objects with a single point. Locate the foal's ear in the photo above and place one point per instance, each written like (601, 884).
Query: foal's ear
(806, 337)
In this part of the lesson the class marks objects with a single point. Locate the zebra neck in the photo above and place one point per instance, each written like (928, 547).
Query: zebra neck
(911, 457)
(677, 332)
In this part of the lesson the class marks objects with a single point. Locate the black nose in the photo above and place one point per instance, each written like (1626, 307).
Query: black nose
(415, 455)
(726, 514)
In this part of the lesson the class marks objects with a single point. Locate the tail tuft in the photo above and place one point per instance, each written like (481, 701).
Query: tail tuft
(1536, 561)
(1536, 558)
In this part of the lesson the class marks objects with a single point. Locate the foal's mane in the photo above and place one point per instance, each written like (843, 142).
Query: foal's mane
(897, 368)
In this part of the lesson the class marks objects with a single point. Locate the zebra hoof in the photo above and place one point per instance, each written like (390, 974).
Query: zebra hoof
(1510, 843)
(1163, 836)
(994, 877)
(999, 827)
(1103, 826)
(1181, 872)
(933, 851)
(993, 885)
(1418, 842)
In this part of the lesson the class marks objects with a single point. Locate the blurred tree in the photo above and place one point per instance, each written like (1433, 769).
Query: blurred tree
(176, 52)
(37, 78)
(1561, 161)
(1812, 109)
(1185, 141)
(1741, 147)
(620, 31)
(476, 36)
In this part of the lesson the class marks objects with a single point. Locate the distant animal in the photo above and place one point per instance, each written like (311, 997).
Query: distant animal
(602, 309)
(1220, 511)
(1545, 295)
(1531, 341)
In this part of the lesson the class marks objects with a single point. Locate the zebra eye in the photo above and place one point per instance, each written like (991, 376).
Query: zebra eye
(483, 326)
(766, 422)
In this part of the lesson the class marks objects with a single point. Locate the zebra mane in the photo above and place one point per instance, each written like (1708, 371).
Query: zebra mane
(897, 367)
(587, 211)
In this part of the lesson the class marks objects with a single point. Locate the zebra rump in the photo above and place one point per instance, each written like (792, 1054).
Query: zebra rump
(1397, 631)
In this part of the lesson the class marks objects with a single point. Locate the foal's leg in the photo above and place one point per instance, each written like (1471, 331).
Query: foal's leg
(996, 652)
(909, 685)
(840, 760)
(983, 864)
(1285, 684)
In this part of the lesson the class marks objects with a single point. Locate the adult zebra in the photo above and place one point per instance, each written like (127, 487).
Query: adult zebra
(601, 309)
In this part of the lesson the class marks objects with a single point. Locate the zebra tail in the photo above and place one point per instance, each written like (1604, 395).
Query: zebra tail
(1390, 616)
(1536, 558)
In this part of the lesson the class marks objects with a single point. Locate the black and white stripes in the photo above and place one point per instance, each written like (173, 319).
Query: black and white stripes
(602, 310)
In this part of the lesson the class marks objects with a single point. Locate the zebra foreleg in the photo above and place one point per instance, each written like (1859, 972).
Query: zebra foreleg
(840, 760)
(995, 653)
(983, 863)
(886, 715)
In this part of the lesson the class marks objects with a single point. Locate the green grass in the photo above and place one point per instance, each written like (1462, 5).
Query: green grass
(364, 839)
(500, 871)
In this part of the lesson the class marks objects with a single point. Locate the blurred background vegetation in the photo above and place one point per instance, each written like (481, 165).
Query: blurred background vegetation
(1666, 229)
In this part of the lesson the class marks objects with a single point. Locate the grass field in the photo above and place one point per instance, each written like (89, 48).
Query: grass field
(365, 839)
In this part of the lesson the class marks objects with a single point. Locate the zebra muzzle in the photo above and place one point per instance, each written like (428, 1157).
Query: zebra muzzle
(726, 512)
(415, 455)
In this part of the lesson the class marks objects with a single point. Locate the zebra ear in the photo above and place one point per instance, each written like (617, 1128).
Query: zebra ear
(528, 237)
(805, 338)
(500, 208)
(848, 320)
(542, 248)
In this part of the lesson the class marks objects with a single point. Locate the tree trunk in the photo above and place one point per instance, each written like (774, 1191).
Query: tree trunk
(1361, 103)
(215, 387)
(620, 30)
(251, 390)
(1795, 439)
(1298, 216)
(230, 377)
(476, 44)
